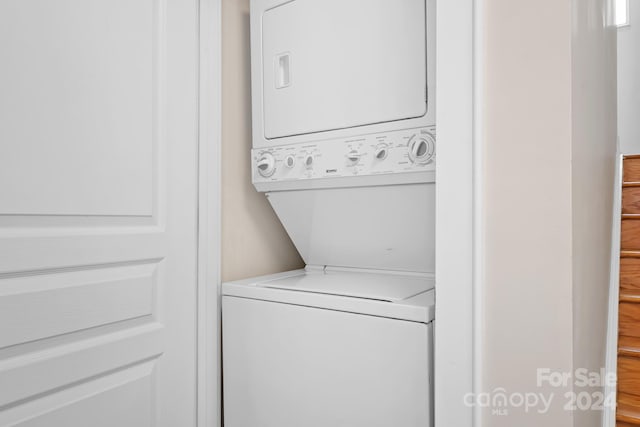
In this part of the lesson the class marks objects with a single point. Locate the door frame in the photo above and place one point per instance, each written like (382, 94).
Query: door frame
(459, 212)
(458, 347)
(209, 379)
(611, 350)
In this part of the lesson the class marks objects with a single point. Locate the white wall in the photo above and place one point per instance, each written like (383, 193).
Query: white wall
(253, 240)
(629, 82)
(549, 146)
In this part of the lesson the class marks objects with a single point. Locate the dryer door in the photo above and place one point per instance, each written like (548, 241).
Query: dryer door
(335, 64)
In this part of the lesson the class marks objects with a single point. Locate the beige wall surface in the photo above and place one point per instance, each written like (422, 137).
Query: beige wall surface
(527, 201)
(549, 159)
(253, 240)
(593, 162)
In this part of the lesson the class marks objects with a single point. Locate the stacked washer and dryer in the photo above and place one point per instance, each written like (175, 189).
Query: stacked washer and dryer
(344, 148)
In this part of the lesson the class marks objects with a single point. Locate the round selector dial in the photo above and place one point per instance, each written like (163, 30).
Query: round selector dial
(422, 148)
(266, 164)
(354, 157)
(290, 161)
(382, 151)
(308, 161)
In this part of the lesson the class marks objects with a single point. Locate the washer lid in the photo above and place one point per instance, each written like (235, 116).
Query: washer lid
(380, 287)
(394, 296)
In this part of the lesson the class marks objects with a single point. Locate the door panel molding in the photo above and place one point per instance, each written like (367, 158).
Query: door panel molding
(45, 305)
(124, 46)
(55, 368)
(130, 388)
(43, 253)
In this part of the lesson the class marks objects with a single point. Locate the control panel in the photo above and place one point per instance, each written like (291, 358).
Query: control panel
(412, 150)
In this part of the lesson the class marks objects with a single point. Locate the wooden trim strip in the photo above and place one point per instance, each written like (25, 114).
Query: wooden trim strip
(629, 297)
(630, 418)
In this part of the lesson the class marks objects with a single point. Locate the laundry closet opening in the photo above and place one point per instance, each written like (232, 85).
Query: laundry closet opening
(343, 149)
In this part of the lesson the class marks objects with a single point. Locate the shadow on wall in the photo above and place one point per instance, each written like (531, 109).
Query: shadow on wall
(253, 240)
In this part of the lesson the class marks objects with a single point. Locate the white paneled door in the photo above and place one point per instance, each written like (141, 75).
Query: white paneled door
(98, 211)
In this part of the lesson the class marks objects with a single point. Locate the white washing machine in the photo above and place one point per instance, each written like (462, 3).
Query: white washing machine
(328, 347)
(344, 147)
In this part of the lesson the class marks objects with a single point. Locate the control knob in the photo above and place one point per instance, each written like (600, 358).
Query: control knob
(354, 157)
(290, 161)
(266, 165)
(308, 161)
(382, 151)
(422, 149)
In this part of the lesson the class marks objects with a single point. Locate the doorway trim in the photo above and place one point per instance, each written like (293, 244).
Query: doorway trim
(459, 238)
(459, 213)
(611, 350)
(209, 377)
